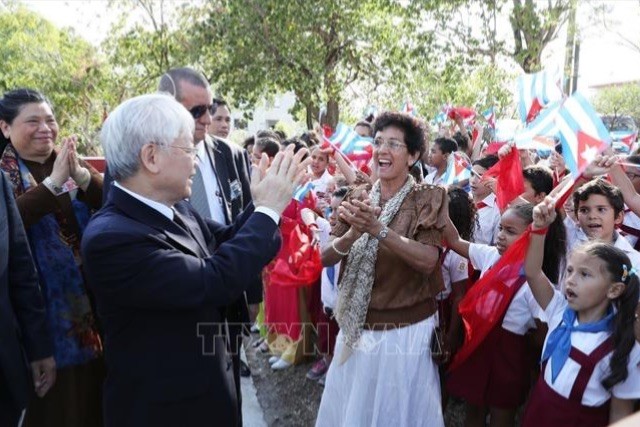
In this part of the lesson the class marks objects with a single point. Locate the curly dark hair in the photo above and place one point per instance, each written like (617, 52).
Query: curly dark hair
(462, 212)
(414, 129)
(616, 261)
(540, 177)
(601, 187)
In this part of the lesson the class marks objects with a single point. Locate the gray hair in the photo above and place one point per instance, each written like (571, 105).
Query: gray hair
(170, 81)
(147, 119)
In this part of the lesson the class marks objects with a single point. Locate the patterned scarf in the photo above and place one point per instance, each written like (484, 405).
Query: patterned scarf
(359, 272)
(559, 342)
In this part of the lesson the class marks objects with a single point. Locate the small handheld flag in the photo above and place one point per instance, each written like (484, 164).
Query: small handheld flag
(458, 169)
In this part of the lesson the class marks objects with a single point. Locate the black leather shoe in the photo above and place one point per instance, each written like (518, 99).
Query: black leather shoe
(244, 370)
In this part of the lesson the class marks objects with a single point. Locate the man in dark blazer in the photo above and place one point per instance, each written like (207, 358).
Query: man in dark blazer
(161, 272)
(23, 323)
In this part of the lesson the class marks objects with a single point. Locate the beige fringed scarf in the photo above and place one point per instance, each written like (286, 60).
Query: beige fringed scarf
(359, 273)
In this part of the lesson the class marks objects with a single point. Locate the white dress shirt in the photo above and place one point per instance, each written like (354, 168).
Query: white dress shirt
(210, 180)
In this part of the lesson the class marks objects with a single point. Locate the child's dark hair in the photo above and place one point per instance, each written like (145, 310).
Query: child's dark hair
(447, 145)
(540, 178)
(487, 161)
(248, 142)
(310, 138)
(462, 141)
(297, 143)
(616, 261)
(555, 243)
(462, 212)
(603, 188)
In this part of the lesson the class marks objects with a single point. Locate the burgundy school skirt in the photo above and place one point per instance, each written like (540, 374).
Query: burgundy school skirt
(549, 409)
(496, 374)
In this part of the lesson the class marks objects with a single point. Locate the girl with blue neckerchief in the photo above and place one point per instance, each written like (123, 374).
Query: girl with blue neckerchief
(590, 374)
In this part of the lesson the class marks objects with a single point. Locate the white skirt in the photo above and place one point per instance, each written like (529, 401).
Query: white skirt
(390, 379)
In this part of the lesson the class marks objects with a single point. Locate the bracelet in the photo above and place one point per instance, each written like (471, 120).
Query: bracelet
(539, 231)
(333, 246)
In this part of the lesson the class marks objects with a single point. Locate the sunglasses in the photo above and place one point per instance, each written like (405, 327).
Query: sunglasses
(199, 110)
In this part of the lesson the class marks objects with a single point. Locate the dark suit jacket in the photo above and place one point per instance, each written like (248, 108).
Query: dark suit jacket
(158, 290)
(23, 324)
(233, 169)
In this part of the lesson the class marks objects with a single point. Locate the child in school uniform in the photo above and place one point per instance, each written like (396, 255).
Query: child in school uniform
(486, 230)
(630, 226)
(496, 377)
(590, 375)
(455, 275)
(455, 268)
(599, 208)
(438, 159)
(327, 326)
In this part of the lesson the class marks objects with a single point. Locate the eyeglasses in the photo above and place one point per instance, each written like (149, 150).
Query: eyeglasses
(632, 175)
(393, 145)
(199, 110)
(192, 151)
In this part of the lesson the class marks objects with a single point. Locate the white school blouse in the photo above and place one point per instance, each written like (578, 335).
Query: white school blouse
(488, 223)
(454, 269)
(595, 394)
(523, 309)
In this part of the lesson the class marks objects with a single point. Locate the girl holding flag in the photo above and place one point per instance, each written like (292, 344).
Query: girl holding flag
(491, 370)
(288, 277)
(590, 375)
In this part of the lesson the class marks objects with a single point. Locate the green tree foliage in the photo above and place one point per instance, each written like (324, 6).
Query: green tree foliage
(146, 41)
(471, 29)
(57, 62)
(622, 100)
(315, 48)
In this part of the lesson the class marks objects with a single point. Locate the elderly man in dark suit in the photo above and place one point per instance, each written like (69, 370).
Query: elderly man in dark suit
(23, 324)
(161, 272)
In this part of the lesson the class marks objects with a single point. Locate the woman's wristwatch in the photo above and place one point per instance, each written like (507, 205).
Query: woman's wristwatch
(382, 234)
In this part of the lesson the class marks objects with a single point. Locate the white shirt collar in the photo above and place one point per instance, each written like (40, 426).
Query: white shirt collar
(202, 150)
(162, 209)
(490, 200)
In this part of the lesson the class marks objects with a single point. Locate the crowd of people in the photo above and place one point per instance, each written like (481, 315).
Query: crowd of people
(125, 297)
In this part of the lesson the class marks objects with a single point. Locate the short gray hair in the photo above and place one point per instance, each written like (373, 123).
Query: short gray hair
(170, 81)
(147, 119)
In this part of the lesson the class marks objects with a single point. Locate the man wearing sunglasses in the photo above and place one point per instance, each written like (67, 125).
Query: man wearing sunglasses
(221, 187)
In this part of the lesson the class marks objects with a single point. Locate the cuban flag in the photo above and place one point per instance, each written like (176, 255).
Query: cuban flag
(302, 191)
(490, 116)
(408, 108)
(458, 169)
(358, 149)
(582, 133)
(623, 140)
(542, 132)
(536, 91)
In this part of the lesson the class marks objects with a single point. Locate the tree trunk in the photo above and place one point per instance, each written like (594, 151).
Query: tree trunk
(333, 113)
(570, 46)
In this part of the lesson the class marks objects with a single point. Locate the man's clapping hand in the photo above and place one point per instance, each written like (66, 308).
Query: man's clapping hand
(273, 186)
